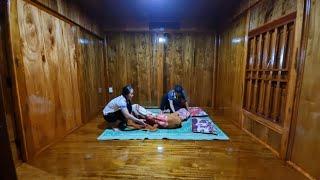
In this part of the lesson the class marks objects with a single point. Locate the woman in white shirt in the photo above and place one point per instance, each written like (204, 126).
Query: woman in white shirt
(119, 109)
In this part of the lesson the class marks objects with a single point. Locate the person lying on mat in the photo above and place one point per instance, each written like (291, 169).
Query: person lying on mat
(167, 121)
(119, 110)
(174, 100)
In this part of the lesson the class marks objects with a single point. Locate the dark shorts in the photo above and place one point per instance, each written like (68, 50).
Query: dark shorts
(113, 117)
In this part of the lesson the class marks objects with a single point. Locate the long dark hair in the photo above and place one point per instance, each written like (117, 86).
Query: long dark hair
(125, 92)
(179, 89)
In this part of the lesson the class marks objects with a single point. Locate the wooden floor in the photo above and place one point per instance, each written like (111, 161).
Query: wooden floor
(81, 156)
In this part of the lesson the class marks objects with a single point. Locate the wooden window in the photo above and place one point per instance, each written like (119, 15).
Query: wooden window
(268, 61)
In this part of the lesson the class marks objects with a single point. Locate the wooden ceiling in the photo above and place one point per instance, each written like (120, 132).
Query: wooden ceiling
(117, 13)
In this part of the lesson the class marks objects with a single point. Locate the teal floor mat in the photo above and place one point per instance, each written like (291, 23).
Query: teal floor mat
(183, 133)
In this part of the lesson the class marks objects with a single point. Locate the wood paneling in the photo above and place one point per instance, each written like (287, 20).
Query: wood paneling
(91, 77)
(270, 80)
(7, 88)
(266, 134)
(269, 10)
(81, 156)
(71, 11)
(9, 154)
(131, 61)
(268, 62)
(230, 69)
(267, 48)
(58, 69)
(7, 163)
(153, 67)
(306, 142)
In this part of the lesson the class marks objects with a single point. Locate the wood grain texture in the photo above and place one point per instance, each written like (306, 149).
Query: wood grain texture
(268, 10)
(153, 67)
(231, 69)
(271, 78)
(8, 165)
(270, 74)
(306, 141)
(49, 65)
(81, 156)
(10, 155)
(71, 11)
(267, 73)
(90, 64)
(7, 90)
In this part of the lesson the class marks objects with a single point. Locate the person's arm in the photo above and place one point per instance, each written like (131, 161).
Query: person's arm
(130, 116)
(185, 97)
(187, 105)
(171, 106)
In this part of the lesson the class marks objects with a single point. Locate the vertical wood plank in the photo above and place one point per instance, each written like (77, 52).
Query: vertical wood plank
(256, 74)
(270, 67)
(264, 68)
(276, 100)
(251, 67)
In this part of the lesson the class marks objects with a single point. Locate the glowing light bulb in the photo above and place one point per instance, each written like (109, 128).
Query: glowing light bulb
(162, 40)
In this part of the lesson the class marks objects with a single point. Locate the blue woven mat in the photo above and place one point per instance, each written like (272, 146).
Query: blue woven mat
(183, 133)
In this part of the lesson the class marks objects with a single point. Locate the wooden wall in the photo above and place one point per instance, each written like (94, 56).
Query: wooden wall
(275, 135)
(91, 73)
(72, 12)
(306, 142)
(7, 88)
(233, 52)
(153, 68)
(58, 69)
(230, 69)
(269, 10)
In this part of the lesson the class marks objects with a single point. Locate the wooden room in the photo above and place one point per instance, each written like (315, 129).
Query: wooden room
(167, 89)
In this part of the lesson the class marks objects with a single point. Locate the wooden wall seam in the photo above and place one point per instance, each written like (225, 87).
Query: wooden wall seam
(214, 76)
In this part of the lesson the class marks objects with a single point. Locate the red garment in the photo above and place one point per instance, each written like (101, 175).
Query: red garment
(161, 119)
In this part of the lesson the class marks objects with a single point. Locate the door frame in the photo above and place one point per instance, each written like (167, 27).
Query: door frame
(7, 166)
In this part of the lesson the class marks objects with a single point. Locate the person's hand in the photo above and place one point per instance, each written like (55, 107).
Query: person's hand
(142, 122)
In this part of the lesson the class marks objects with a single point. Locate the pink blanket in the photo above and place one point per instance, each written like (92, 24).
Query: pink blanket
(197, 112)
